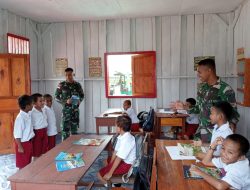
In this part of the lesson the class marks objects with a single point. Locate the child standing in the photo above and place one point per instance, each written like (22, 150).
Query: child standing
(232, 162)
(221, 113)
(124, 154)
(51, 119)
(23, 132)
(131, 113)
(39, 122)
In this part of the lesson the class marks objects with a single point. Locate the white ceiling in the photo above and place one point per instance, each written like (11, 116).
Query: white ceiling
(76, 10)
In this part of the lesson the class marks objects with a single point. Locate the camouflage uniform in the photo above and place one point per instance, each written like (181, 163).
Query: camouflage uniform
(70, 112)
(206, 96)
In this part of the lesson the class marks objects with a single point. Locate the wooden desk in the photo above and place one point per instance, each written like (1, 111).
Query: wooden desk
(165, 119)
(41, 174)
(170, 172)
(107, 121)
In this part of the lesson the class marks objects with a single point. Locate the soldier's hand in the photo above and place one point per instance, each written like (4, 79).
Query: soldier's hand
(69, 101)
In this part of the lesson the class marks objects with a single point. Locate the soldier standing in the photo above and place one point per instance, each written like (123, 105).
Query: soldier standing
(210, 91)
(69, 94)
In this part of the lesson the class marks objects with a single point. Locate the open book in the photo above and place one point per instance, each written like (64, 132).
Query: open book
(215, 172)
(89, 142)
(190, 149)
(66, 161)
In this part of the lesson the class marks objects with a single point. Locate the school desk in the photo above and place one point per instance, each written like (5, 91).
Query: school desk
(166, 119)
(107, 119)
(42, 174)
(170, 172)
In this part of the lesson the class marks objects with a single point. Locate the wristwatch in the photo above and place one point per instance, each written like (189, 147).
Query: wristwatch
(211, 148)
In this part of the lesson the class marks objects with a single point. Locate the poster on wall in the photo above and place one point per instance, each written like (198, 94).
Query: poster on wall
(60, 65)
(240, 54)
(200, 58)
(95, 67)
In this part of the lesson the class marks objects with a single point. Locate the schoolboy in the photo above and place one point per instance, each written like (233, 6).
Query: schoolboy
(23, 132)
(39, 122)
(221, 113)
(131, 113)
(232, 162)
(51, 119)
(124, 154)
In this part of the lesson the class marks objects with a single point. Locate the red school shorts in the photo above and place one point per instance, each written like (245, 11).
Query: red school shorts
(122, 168)
(51, 142)
(191, 130)
(135, 127)
(23, 159)
(40, 142)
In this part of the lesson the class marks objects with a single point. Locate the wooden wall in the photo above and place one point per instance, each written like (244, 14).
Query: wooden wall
(177, 39)
(242, 39)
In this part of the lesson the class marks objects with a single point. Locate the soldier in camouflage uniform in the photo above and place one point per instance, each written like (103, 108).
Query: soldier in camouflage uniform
(211, 90)
(70, 112)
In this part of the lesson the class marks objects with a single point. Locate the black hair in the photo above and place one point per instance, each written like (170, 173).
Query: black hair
(24, 100)
(225, 108)
(241, 141)
(208, 63)
(68, 69)
(124, 122)
(128, 102)
(36, 96)
(47, 96)
(192, 101)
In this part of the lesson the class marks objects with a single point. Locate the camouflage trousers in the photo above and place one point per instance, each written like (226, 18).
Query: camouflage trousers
(70, 122)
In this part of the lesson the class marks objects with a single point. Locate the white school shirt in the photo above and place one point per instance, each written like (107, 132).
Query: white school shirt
(237, 174)
(193, 119)
(51, 119)
(125, 148)
(222, 131)
(23, 127)
(39, 119)
(131, 113)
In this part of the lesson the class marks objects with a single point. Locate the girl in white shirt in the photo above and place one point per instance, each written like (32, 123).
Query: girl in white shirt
(51, 119)
(124, 154)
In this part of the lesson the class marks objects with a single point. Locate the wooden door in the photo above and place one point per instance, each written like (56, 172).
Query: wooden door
(143, 75)
(15, 81)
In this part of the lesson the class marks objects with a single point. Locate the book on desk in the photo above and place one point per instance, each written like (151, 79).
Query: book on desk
(66, 161)
(214, 172)
(89, 142)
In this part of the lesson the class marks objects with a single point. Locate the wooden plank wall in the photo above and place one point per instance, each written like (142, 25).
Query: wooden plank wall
(242, 39)
(177, 39)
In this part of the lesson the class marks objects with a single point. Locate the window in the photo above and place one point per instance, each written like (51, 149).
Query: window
(130, 74)
(18, 44)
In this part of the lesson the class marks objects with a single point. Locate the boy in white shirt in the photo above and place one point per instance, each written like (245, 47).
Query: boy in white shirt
(124, 154)
(23, 132)
(221, 113)
(131, 113)
(51, 119)
(39, 122)
(232, 162)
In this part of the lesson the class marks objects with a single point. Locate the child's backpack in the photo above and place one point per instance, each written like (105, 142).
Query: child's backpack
(142, 116)
(149, 123)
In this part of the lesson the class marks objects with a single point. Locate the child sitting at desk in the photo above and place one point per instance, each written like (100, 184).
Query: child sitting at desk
(124, 154)
(232, 163)
(192, 122)
(128, 110)
(221, 113)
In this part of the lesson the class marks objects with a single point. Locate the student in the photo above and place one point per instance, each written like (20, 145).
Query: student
(51, 119)
(124, 154)
(39, 122)
(232, 162)
(192, 122)
(131, 113)
(221, 113)
(23, 132)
